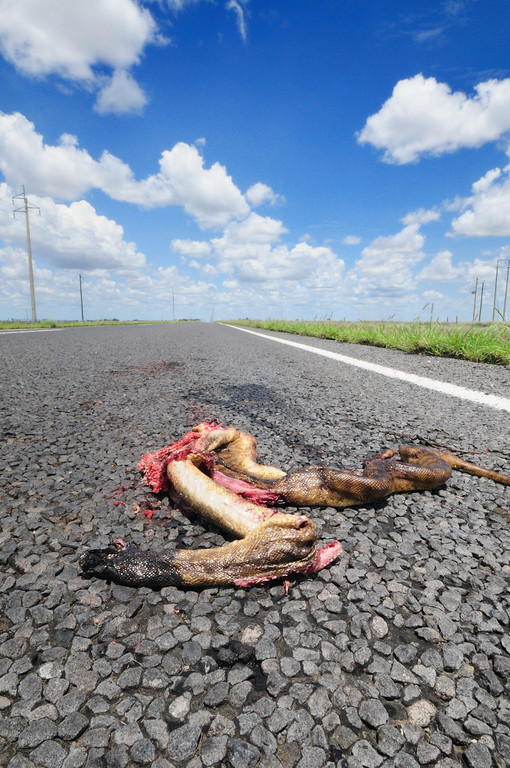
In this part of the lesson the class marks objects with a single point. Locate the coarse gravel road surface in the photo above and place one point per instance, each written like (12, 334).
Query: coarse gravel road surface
(396, 655)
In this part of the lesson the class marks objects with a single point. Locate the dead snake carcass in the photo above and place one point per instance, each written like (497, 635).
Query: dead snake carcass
(215, 471)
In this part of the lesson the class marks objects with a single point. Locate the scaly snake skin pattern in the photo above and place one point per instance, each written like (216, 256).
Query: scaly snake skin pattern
(216, 472)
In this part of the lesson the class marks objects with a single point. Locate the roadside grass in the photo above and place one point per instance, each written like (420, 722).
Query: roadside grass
(15, 325)
(478, 342)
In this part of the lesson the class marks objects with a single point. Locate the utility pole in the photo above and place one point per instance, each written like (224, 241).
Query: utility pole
(474, 301)
(25, 209)
(81, 301)
(495, 292)
(494, 306)
(481, 302)
(506, 288)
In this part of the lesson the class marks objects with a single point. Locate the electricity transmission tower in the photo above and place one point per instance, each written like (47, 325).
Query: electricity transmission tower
(25, 208)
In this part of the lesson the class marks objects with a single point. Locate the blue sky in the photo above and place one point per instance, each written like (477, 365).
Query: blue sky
(242, 158)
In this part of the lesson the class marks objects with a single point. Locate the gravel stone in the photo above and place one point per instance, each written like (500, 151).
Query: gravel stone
(421, 713)
(213, 750)
(158, 730)
(216, 695)
(130, 678)
(72, 726)
(426, 753)
(405, 760)
(478, 756)
(366, 754)
(49, 754)
(401, 674)
(343, 738)
(37, 732)
(503, 745)
(312, 757)
(191, 652)
(379, 627)
(452, 729)
(445, 687)
(265, 649)
(126, 735)
(405, 653)
(18, 761)
(452, 657)
(182, 742)
(9, 684)
(386, 687)
(373, 713)
(318, 704)
(143, 752)
(389, 740)
(241, 754)
(456, 709)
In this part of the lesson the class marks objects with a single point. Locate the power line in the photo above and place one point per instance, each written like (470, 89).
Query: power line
(25, 208)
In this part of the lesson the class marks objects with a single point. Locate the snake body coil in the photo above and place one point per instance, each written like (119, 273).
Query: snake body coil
(216, 472)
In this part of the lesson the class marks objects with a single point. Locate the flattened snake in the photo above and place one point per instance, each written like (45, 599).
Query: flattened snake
(216, 472)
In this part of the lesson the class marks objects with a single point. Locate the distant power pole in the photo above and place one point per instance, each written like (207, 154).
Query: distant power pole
(500, 262)
(81, 301)
(504, 262)
(474, 302)
(481, 302)
(25, 208)
(506, 288)
(495, 292)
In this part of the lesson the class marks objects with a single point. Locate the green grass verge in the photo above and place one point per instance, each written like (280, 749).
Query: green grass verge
(483, 343)
(6, 325)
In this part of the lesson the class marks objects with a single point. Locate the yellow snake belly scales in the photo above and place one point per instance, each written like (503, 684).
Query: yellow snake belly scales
(216, 472)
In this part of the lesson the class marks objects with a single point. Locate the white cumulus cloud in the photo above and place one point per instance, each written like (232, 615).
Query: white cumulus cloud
(71, 236)
(486, 211)
(424, 117)
(66, 171)
(250, 251)
(70, 37)
(75, 40)
(260, 193)
(440, 268)
(120, 95)
(63, 171)
(386, 266)
(192, 248)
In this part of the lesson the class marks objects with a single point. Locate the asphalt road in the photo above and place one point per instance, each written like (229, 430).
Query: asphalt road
(398, 654)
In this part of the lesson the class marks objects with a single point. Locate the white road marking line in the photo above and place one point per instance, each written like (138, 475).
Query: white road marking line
(29, 330)
(491, 401)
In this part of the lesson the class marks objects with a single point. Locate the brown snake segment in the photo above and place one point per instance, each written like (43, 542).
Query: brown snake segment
(216, 472)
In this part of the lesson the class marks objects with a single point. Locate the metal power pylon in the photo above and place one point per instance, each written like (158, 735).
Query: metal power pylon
(25, 208)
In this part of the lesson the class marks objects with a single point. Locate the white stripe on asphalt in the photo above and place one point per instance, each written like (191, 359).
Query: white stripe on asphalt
(29, 330)
(492, 401)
